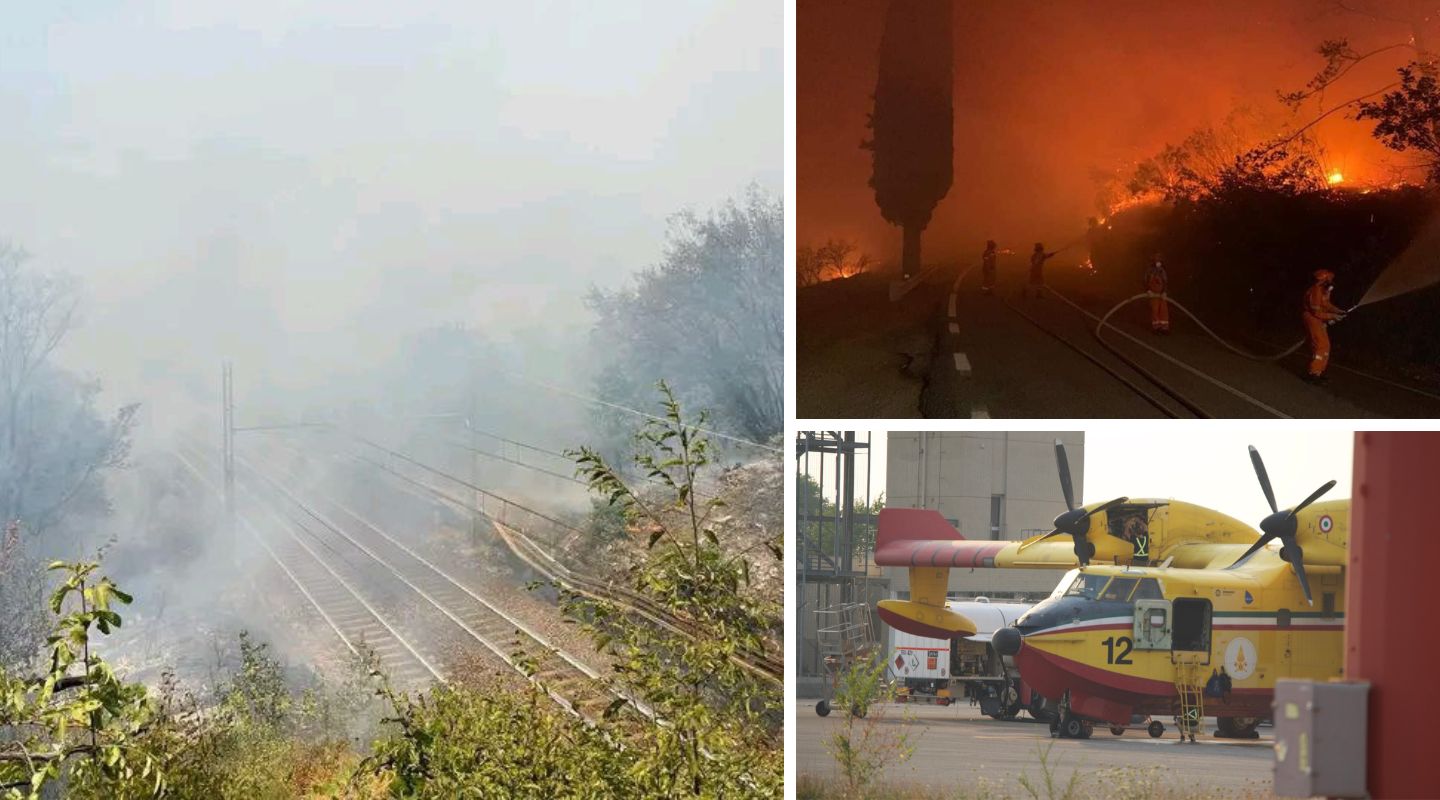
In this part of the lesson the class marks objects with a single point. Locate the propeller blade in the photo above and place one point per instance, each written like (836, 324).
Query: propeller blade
(1063, 464)
(1263, 476)
(1254, 548)
(1299, 566)
(1056, 532)
(1313, 497)
(1096, 510)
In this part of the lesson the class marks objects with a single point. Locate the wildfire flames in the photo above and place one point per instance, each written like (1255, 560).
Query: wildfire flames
(1335, 178)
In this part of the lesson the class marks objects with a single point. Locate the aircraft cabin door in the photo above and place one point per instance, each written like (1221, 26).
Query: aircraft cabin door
(1152, 625)
(1190, 628)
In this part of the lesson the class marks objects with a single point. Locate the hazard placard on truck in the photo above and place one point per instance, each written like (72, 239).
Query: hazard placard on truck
(918, 657)
(915, 658)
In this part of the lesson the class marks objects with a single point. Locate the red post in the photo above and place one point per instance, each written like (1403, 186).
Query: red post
(1392, 630)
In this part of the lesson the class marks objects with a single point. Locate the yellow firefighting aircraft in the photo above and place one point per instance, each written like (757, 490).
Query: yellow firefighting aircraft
(1175, 607)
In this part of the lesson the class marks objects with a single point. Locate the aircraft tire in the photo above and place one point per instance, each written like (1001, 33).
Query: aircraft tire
(822, 708)
(1117, 730)
(1072, 728)
(1237, 728)
(1156, 729)
(1008, 713)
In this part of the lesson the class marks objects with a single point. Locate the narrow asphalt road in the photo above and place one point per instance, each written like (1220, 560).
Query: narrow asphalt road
(948, 350)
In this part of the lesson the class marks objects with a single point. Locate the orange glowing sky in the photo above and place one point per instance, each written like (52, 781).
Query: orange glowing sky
(1046, 92)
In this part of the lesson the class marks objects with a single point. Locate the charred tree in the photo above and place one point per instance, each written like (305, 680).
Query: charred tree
(913, 120)
(1408, 118)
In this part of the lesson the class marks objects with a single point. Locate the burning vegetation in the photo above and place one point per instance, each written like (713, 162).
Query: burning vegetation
(1253, 144)
(834, 260)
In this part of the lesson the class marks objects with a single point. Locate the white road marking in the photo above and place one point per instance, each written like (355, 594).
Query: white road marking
(979, 412)
(962, 364)
(954, 327)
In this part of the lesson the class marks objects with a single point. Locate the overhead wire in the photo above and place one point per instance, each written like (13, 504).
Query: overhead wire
(637, 412)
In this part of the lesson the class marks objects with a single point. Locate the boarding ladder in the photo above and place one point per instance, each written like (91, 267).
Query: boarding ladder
(1190, 687)
(845, 637)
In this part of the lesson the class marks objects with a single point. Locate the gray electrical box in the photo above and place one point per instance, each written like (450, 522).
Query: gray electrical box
(1320, 738)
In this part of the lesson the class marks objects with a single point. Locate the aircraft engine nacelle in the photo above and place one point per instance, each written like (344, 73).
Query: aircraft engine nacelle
(1323, 531)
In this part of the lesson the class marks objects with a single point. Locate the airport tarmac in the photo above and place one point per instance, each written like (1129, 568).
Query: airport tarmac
(956, 745)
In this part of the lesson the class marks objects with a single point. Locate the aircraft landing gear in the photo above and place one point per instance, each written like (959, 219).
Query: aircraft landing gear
(822, 708)
(1009, 705)
(1069, 726)
(1156, 729)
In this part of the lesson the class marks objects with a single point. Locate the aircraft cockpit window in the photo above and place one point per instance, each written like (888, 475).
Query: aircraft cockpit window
(1149, 589)
(1087, 586)
(1119, 589)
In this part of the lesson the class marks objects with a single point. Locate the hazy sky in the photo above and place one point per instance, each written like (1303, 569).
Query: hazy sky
(302, 179)
(1207, 465)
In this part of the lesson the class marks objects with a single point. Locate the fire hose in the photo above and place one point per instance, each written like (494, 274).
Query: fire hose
(1105, 320)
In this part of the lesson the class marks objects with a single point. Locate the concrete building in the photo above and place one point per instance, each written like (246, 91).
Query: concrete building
(991, 485)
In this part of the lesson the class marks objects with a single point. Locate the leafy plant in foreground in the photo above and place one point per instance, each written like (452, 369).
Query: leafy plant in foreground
(862, 746)
(78, 724)
(720, 723)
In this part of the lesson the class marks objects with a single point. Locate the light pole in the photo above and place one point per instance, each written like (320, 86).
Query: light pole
(474, 483)
(227, 415)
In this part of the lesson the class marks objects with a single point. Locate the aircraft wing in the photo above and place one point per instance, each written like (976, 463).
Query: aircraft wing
(937, 553)
(917, 537)
(929, 547)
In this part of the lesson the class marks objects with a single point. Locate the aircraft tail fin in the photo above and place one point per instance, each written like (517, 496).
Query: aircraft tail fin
(901, 531)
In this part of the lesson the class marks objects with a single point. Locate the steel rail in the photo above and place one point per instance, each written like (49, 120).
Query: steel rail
(759, 664)
(1177, 362)
(431, 593)
(333, 620)
(1129, 384)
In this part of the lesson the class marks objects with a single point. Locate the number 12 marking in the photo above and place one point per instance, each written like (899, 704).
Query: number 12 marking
(1124, 657)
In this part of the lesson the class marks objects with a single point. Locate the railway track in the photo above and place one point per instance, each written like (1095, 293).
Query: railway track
(539, 559)
(528, 550)
(1142, 383)
(357, 623)
(416, 600)
(1173, 387)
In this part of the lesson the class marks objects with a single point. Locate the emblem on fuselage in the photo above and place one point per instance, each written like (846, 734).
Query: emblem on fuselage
(1240, 658)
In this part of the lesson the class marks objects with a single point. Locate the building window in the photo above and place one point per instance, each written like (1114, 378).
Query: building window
(997, 506)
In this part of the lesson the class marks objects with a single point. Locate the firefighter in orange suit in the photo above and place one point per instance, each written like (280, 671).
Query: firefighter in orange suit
(1156, 283)
(1320, 312)
(1038, 257)
(987, 267)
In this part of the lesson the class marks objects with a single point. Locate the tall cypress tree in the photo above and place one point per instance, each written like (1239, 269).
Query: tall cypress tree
(913, 119)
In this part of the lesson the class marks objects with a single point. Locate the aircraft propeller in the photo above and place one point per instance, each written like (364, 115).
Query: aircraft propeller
(1075, 522)
(1282, 525)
